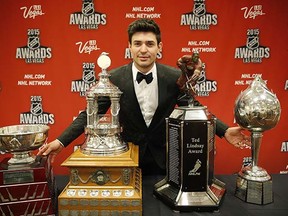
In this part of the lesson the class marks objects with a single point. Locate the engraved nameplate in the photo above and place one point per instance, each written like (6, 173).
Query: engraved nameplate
(18, 177)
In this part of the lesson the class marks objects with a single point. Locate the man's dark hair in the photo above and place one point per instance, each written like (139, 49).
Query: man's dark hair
(144, 25)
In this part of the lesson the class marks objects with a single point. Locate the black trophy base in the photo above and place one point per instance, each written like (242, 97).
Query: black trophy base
(256, 192)
(182, 201)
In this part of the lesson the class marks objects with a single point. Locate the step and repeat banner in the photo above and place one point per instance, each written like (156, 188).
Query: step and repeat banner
(49, 51)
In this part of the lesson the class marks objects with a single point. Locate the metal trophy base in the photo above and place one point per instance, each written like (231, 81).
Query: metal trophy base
(102, 185)
(254, 190)
(190, 184)
(179, 200)
(27, 189)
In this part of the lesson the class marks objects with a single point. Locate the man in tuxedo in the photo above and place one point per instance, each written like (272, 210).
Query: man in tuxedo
(150, 93)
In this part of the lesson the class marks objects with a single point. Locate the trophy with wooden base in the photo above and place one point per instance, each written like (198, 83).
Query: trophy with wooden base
(104, 174)
(26, 182)
(257, 110)
(190, 184)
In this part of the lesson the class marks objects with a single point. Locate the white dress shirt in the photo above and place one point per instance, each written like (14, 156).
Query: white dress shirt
(147, 94)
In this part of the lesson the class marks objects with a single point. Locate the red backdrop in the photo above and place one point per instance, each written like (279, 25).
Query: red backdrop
(49, 47)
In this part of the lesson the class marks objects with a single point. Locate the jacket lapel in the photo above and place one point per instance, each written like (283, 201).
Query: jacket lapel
(130, 96)
(161, 95)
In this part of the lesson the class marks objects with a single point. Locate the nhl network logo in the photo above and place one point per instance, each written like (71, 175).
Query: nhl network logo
(88, 79)
(33, 52)
(88, 18)
(199, 19)
(252, 52)
(36, 115)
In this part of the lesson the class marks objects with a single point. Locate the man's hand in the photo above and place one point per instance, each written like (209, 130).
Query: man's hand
(236, 137)
(51, 149)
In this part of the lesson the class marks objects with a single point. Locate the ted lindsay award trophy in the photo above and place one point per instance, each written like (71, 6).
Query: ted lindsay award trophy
(104, 174)
(26, 181)
(256, 109)
(190, 184)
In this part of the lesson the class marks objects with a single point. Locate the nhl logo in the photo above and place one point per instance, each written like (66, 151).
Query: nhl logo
(36, 108)
(33, 42)
(87, 8)
(88, 76)
(199, 9)
(252, 42)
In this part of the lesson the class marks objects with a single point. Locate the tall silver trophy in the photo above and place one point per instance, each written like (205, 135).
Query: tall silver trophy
(104, 174)
(256, 109)
(103, 131)
(190, 134)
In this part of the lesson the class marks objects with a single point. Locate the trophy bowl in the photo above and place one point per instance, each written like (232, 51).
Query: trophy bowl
(21, 140)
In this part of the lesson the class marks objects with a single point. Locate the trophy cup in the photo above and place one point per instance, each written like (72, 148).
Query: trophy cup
(190, 184)
(26, 181)
(104, 174)
(257, 110)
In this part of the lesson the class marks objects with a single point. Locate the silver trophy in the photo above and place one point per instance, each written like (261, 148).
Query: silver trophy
(256, 109)
(26, 181)
(21, 140)
(103, 131)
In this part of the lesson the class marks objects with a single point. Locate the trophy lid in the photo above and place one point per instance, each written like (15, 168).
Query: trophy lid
(191, 113)
(104, 87)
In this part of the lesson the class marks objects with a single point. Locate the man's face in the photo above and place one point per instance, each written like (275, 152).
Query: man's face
(144, 49)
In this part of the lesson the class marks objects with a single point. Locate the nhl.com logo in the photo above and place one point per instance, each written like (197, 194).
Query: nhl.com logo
(199, 18)
(88, 18)
(88, 79)
(36, 115)
(33, 52)
(252, 52)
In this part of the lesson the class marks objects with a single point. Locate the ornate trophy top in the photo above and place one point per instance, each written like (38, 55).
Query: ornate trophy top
(103, 87)
(191, 67)
(257, 108)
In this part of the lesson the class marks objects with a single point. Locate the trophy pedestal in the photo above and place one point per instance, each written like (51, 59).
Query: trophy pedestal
(102, 185)
(190, 184)
(27, 189)
(256, 190)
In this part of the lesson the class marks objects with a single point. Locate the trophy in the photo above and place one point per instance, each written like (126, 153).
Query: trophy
(26, 181)
(190, 184)
(104, 174)
(257, 110)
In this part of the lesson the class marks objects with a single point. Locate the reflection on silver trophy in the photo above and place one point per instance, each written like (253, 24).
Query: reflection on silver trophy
(256, 109)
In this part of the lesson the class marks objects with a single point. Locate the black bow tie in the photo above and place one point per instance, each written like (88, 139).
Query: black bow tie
(141, 76)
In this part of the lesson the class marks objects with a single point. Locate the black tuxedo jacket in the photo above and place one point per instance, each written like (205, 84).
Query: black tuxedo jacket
(130, 116)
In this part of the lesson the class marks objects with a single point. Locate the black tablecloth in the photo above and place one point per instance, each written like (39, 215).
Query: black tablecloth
(231, 205)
